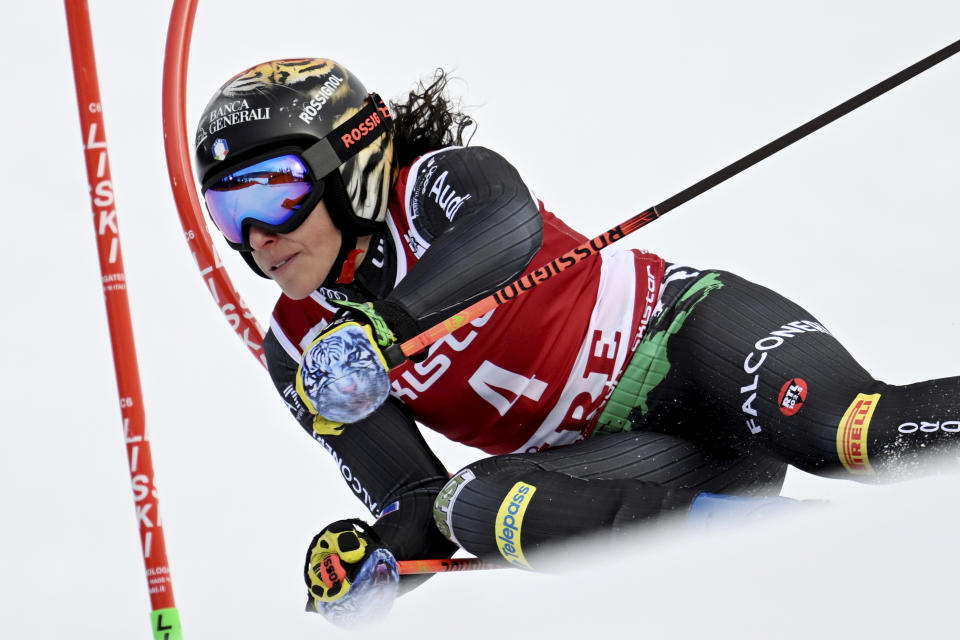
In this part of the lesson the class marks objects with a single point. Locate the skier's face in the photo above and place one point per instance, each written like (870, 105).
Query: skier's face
(300, 260)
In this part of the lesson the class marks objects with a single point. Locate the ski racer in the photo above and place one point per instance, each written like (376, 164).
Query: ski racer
(619, 392)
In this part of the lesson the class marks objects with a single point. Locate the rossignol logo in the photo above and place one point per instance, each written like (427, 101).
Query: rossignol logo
(852, 433)
(792, 395)
(557, 266)
(367, 126)
(756, 358)
(311, 109)
(331, 571)
(509, 523)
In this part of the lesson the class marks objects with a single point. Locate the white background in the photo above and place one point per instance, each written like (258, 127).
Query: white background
(606, 108)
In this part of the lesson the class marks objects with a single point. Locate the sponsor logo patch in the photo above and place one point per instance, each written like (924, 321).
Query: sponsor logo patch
(390, 508)
(220, 149)
(321, 96)
(509, 523)
(443, 504)
(852, 434)
(753, 363)
(793, 394)
(229, 114)
(447, 197)
(926, 426)
(366, 127)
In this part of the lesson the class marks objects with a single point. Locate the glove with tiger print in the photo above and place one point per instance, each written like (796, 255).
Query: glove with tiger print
(342, 377)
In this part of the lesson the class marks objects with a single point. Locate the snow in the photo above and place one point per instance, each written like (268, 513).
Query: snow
(605, 109)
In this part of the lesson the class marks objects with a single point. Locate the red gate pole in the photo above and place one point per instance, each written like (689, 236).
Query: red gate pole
(178, 150)
(165, 619)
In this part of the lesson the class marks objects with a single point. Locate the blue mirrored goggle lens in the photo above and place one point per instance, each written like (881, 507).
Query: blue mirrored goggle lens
(270, 192)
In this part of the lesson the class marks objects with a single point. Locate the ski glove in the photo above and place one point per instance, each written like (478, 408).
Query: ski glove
(342, 377)
(350, 575)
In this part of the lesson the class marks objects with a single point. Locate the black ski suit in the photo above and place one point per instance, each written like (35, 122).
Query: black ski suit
(730, 384)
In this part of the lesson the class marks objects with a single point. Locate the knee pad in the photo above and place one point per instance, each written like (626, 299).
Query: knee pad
(444, 503)
(482, 510)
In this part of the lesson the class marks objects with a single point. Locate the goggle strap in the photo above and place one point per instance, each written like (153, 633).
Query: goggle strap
(348, 139)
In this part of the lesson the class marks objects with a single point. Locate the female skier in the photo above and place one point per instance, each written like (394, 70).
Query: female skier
(611, 394)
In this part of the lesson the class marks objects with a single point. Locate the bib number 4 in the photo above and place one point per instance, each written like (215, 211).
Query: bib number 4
(502, 388)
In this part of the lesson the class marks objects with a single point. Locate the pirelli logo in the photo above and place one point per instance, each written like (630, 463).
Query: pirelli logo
(852, 434)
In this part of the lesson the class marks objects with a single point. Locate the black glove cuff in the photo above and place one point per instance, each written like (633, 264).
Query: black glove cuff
(403, 324)
(366, 529)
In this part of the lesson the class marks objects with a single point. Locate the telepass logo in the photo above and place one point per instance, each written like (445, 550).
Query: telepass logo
(510, 523)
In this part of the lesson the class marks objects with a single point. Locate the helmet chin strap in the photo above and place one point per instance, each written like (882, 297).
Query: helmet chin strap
(351, 228)
(342, 270)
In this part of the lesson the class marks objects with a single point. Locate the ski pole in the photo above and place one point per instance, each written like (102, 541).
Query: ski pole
(165, 619)
(446, 565)
(587, 249)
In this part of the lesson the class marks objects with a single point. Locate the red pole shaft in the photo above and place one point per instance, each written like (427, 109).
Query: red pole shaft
(446, 565)
(118, 309)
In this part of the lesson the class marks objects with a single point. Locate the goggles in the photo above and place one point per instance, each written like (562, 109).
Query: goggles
(270, 192)
(278, 191)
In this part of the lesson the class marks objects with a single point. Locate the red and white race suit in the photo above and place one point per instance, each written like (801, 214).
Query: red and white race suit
(533, 373)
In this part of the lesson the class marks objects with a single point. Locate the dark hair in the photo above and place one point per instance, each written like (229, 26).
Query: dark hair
(427, 121)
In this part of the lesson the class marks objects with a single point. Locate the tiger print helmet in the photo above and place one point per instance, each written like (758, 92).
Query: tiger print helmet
(299, 103)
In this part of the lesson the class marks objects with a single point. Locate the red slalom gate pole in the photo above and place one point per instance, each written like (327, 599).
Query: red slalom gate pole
(195, 231)
(165, 619)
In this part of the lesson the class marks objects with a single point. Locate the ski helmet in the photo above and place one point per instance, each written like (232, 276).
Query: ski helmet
(321, 111)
